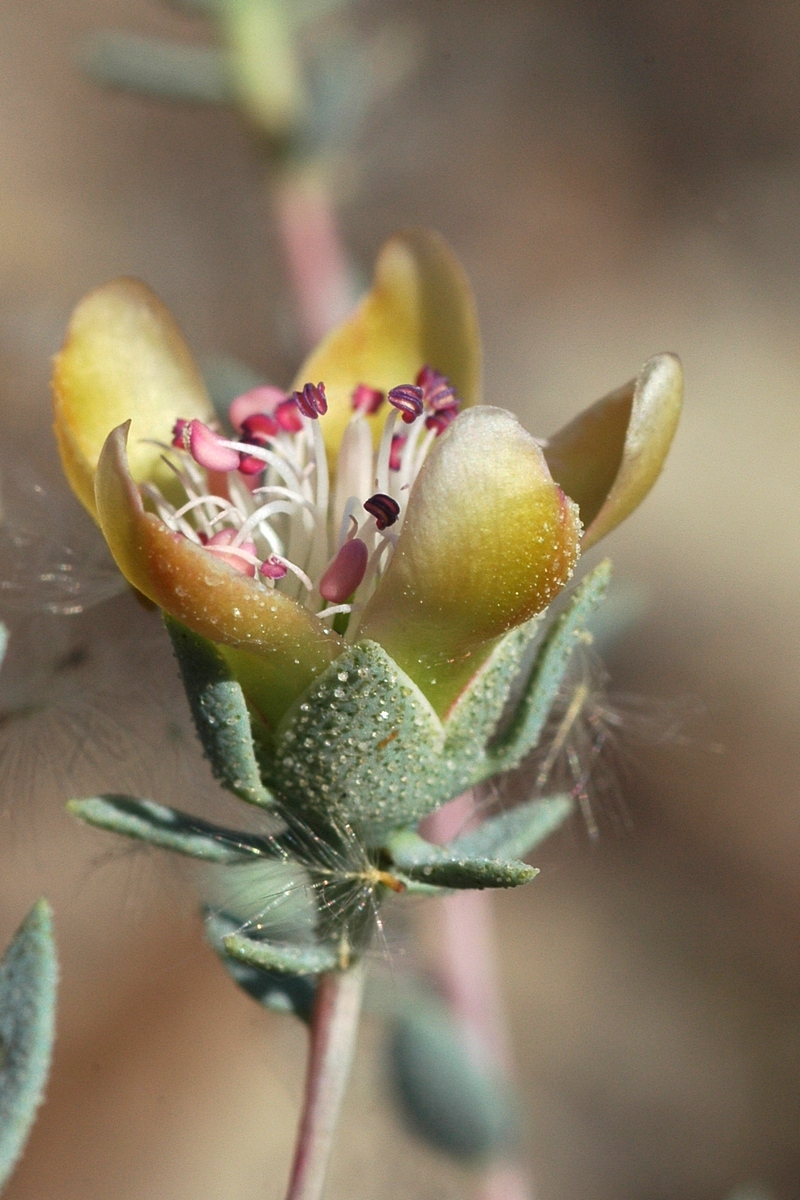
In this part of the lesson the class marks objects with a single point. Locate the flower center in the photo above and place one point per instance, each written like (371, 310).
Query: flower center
(262, 502)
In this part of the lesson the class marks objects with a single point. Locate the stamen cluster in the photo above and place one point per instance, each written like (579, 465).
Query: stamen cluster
(262, 501)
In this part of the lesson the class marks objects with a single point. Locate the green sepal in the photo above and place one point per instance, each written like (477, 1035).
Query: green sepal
(476, 714)
(516, 832)
(284, 957)
(280, 993)
(361, 747)
(28, 979)
(155, 67)
(548, 672)
(470, 873)
(169, 829)
(220, 714)
(445, 1097)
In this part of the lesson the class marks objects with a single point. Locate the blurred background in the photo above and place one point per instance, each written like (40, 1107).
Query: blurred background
(618, 179)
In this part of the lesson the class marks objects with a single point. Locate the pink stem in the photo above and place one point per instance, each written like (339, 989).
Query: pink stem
(467, 969)
(334, 1025)
(315, 259)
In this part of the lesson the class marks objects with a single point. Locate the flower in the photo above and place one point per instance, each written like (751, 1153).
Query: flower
(377, 501)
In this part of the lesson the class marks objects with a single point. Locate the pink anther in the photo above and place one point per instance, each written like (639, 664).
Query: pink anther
(218, 544)
(345, 572)
(207, 448)
(367, 400)
(287, 414)
(273, 568)
(262, 399)
(396, 452)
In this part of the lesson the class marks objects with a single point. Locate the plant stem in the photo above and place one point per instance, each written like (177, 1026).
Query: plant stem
(467, 969)
(334, 1025)
(316, 263)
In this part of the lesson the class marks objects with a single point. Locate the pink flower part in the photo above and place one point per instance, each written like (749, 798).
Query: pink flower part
(367, 400)
(287, 414)
(263, 399)
(437, 390)
(217, 545)
(440, 418)
(396, 453)
(206, 448)
(259, 429)
(345, 572)
(180, 434)
(407, 398)
(273, 568)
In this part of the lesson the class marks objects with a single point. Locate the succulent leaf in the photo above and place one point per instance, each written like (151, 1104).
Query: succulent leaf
(451, 872)
(220, 714)
(278, 992)
(28, 978)
(285, 958)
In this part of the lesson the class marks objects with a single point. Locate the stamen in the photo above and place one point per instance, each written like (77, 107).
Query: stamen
(241, 557)
(407, 398)
(273, 567)
(207, 448)
(383, 508)
(345, 572)
(262, 399)
(312, 401)
(367, 400)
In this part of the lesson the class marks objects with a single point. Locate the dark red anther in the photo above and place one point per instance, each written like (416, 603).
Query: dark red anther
(259, 429)
(407, 397)
(367, 400)
(437, 390)
(287, 414)
(312, 401)
(383, 508)
(396, 452)
(440, 418)
(180, 434)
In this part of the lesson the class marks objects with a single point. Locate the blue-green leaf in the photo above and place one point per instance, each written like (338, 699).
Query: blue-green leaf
(169, 829)
(547, 676)
(220, 714)
(515, 832)
(284, 957)
(154, 67)
(453, 872)
(28, 978)
(362, 747)
(279, 992)
(444, 1095)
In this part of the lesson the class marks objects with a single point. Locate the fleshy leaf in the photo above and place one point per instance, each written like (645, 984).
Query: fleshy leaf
(610, 456)
(451, 872)
(516, 832)
(280, 645)
(361, 746)
(444, 1095)
(28, 978)
(284, 957)
(124, 359)
(168, 828)
(488, 540)
(420, 310)
(280, 993)
(220, 714)
(156, 67)
(547, 675)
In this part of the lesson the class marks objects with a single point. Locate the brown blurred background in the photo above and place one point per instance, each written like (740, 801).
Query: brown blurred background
(618, 179)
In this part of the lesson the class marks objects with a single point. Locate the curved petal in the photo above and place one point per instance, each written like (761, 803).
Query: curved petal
(124, 359)
(290, 645)
(488, 540)
(420, 310)
(609, 457)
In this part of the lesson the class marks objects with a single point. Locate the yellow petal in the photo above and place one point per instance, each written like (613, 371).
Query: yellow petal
(488, 540)
(609, 457)
(290, 645)
(124, 359)
(420, 310)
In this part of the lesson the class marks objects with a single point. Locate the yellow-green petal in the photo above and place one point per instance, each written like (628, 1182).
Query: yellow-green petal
(279, 645)
(124, 359)
(488, 540)
(610, 456)
(420, 310)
